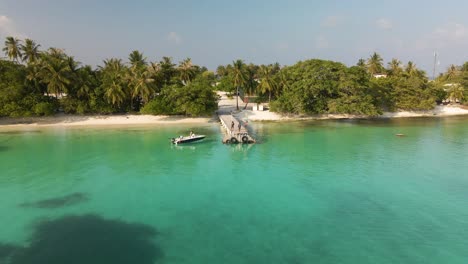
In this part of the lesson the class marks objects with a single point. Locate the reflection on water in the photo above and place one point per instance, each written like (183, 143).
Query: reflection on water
(20, 132)
(183, 147)
(240, 147)
(86, 239)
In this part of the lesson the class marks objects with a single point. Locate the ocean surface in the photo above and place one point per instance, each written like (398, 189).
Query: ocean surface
(308, 192)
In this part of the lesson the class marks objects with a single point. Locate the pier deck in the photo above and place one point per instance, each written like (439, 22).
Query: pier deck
(233, 134)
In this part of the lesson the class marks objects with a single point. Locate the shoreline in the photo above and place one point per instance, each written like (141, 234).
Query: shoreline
(246, 115)
(99, 121)
(438, 111)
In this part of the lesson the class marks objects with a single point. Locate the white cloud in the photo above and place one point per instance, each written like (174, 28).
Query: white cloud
(174, 38)
(321, 42)
(7, 28)
(384, 23)
(449, 36)
(451, 32)
(331, 21)
(6, 25)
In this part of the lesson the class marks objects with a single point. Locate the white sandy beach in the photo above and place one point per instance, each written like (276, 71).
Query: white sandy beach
(112, 120)
(440, 111)
(226, 105)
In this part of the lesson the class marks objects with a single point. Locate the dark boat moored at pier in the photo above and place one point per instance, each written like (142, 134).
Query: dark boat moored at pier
(189, 139)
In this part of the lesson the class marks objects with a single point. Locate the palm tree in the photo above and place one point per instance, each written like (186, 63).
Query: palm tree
(222, 71)
(411, 69)
(12, 48)
(167, 69)
(115, 93)
(375, 64)
(72, 63)
(139, 81)
(394, 67)
(275, 68)
(187, 71)
(452, 72)
(154, 68)
(283, 84)
(361, 63)
(267, 80)
(84, 81)
(456, 93)
(33, 74)
(239, 77)
(113, 75)
(136, 59)
(55, 74)
(30, 51)
(57, 53)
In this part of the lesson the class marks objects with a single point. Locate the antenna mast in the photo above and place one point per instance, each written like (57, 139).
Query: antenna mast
(435, 62)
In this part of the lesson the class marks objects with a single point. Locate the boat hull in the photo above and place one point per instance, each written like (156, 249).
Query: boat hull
(186, 140)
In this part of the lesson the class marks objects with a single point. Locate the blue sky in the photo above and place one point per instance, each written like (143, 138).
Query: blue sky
(214, 32)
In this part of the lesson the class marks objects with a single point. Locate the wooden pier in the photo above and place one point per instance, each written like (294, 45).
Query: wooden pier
(233, 134)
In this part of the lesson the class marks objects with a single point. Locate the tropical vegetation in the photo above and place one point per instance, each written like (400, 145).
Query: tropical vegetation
(44, 82)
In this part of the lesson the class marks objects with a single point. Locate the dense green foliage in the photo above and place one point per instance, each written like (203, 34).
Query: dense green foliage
(195, 99)
(35, 82)
(317, 87)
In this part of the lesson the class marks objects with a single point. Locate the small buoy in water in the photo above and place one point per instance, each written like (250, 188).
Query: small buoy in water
(400, 135)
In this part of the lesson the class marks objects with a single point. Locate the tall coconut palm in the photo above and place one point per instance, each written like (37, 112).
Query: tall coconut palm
(394, 67)
(456, 93)
(283, 83)
(411, 69)
(85, 77)
(222, 71)
(30, 51)
(137, 59)
(361, 63)
(57, 53)
(251, 84)
(275, 68)
(167, 69)
(138, 83)
(113, 81)
(267, 80)
(12, 48)
(187, 71)
(72, 63)
(375, 64)
(239, 77)
(115, 93)
(55, 74)
(33, 75)
(452, 72)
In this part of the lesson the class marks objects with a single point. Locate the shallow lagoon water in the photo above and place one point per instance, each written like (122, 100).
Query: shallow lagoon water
(309, 192)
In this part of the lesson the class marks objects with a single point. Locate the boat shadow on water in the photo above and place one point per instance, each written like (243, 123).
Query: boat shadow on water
(87, 239)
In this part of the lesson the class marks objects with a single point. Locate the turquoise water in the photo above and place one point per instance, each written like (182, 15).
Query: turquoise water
(310, 192)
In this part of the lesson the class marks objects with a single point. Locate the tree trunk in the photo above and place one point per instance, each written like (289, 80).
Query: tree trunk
(237, 98)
